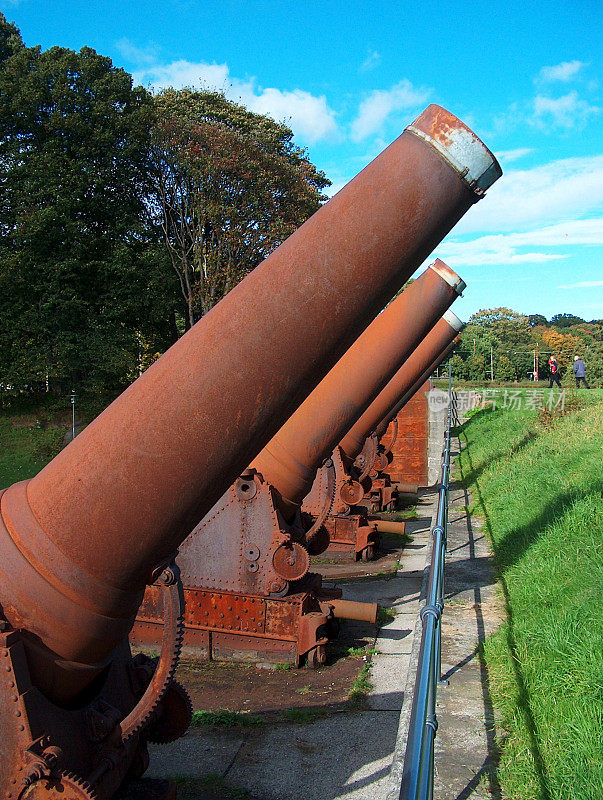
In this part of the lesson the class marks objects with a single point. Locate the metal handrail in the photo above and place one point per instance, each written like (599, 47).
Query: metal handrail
(417, 774)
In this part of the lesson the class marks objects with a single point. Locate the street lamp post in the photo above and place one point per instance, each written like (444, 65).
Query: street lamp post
(72, 414)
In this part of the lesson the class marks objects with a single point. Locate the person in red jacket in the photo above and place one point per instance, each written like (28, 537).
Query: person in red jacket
(553, 372)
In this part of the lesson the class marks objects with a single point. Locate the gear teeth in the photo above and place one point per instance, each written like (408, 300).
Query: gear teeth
(154, 735)
(172, 658)
(85, 790)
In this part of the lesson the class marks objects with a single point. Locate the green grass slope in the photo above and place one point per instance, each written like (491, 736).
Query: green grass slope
(25, 448)
(537, 481)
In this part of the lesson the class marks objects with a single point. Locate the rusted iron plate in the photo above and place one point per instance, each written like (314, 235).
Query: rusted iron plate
(230, 647)
(225, 611)
(231, 548)
(282, 616)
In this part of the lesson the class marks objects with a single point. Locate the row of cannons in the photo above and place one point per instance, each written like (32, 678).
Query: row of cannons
(245, 567)
(187, 512)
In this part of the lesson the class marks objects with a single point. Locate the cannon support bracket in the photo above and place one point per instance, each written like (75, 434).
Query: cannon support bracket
(86, 751)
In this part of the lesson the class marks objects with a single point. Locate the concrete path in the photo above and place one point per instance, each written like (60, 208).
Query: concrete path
(466, 751)
(342, 755)
(349, 754)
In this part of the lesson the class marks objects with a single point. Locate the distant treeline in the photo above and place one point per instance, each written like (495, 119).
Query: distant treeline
(504, 345)
(124, 216)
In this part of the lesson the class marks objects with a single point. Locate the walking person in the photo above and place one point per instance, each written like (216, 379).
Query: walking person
(580, 372)
(553, 372)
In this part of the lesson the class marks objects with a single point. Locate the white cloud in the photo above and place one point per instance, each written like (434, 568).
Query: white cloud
(308, 115)
(505, 248)
(377, 107)
(507, 156)
(567, 111)
(563, 72)
(137, 55)
(370, 62)
(566, 189)
(582, 285)
(179, 74)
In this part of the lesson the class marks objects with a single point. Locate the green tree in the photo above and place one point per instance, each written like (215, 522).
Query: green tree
(494, 332)
(514, 340)
(593, 358)
(459, 368)
(230, 187)
(10, 39)
(489, 316)
(565, 320)
(505, 371)
(476, 368)
(537, 319)
(76, 271)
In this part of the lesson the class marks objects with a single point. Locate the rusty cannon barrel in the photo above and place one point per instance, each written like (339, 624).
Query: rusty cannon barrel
(415, 370)
(360, 461)
(429, 354)
(292, 457)
(80, 541)
(244, 549)
(349, 609)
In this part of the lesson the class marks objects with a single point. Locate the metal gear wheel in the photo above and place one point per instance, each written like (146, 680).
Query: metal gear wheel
(173, 716)
(62, 786)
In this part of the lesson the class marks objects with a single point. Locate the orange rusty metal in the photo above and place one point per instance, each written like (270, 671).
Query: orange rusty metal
(394, 393)
(137, 480)
(364, 482)
(389, 526)
(349, 609)
(417, 369)
(408, 454)
(292, 457)
(233, 626)
(79, 542)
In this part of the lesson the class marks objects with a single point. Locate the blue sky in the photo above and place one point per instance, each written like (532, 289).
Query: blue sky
(349, 76)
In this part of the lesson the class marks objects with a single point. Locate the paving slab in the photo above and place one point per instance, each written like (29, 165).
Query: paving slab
(342, 756)
(196, 755)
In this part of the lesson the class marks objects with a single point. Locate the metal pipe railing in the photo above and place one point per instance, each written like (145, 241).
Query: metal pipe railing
(418, 770)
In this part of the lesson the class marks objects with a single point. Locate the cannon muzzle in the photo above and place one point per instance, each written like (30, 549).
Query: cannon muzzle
(397, 527)
(351, 609)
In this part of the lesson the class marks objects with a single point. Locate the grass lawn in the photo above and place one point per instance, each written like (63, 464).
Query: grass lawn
(25, 448)
(537, 481)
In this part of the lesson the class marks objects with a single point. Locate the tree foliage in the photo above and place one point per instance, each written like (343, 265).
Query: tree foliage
(562, 345)
(10, 40)
(537, 319)
(565, 320)
(476, 368)
(505, 371)
(230, 187)
(459, 368)
(513, 341)
(489, 317)
(73, 247)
